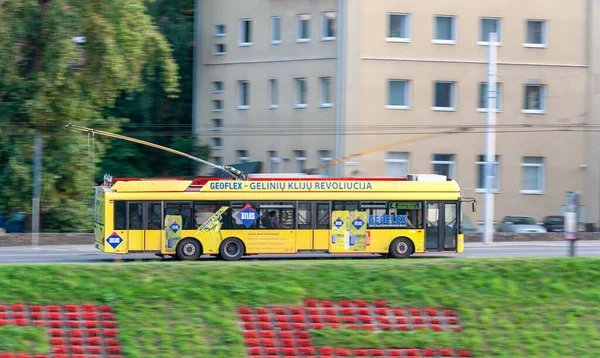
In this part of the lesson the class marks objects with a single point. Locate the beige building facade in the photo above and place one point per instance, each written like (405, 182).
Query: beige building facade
(293, 84)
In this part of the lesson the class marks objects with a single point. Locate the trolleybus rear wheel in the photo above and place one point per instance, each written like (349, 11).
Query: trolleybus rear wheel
(231, 249)
(189, 249)
(401, 248)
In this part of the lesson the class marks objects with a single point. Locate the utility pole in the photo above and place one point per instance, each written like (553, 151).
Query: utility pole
(37, 191)
(197, 68)
(490, 140)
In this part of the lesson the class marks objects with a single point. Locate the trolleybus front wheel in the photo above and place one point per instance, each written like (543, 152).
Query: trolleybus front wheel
(231, 249)
(189, 250)
(401, 248)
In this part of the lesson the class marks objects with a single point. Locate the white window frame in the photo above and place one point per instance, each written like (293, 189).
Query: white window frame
(324, 26)
(544, 43)
(220, 34)
(243, 86)
(453, 97)
(406, 94)
(325, 83)
(482, 163)
(452, 163)
(499, 95)
(273, 32)
(541, 178)
(215, 109)
(453, 41)
(242, 156)
(220, 53)
(299, 160)
(325, 157)
(542, 101)
(500, 31)
(407, 29)
(217, 124)
(215, 85)
(273, 93)
(274, 162)
(217, 143)
(392, 161)
(243, 32)
(301, 82)
(299, 22)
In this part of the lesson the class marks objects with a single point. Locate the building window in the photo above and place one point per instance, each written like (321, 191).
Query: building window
(220, 49)
(535, 99)
(445, 29)
(300, 160)
(273, 93)
(245, 32)
(399, 27)
(217, 105)
(243, 95)
(397, 165)
(325, 92)
(325, 156)
(218, 86)
(329, 25)
(301, 93)
(275, 30)
(443, 164)
(217, 160)
(445, 96)
(398, 94)
(482, 104)
(274, 162)
(536, 33)
(303, 28)
(217, 124)
(481, 174)
(242, 156)
(532, 180)
(490, 25)
(217, 143)
(220, 30)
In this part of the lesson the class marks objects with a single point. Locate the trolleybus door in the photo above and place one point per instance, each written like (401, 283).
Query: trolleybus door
(145, 225)
(313, 226)
(441, 229)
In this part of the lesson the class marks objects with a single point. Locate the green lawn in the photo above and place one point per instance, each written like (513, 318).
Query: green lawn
(508, 307)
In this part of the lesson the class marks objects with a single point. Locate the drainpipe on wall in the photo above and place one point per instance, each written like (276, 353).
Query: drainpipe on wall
(339, 114)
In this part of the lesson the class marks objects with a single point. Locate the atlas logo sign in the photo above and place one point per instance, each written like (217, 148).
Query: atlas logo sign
(247, 215)
(338, 223)
(114, 240)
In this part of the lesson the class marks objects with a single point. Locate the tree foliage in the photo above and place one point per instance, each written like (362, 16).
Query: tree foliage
(49, 77)
(155, 117)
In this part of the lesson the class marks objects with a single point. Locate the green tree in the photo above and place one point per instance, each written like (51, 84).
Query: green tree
(155, 117)
(69, 61)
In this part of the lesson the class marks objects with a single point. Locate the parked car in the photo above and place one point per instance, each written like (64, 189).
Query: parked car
(520, 224)
(14, 223)
(554, 223)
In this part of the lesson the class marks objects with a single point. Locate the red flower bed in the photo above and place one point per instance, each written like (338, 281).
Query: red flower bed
(67, 339)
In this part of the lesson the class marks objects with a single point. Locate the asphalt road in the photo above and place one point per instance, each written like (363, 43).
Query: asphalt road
(85, 253)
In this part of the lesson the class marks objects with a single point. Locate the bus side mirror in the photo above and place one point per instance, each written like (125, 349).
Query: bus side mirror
(474, 206)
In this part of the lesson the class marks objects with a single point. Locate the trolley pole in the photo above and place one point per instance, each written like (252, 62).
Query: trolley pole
(490, 140)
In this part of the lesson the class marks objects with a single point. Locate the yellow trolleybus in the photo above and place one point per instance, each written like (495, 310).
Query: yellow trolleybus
(233, 218)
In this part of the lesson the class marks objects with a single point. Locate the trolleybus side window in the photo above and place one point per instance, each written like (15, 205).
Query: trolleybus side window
(135, 216)
(181, 208)
(155, 216)
(304, 215)
(120, 215)
(203, 210)
(345, 205)
(376, 213)
(323, 216)
(412, 210)
(263, 215)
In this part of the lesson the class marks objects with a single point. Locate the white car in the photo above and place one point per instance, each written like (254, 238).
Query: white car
(520, 224)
